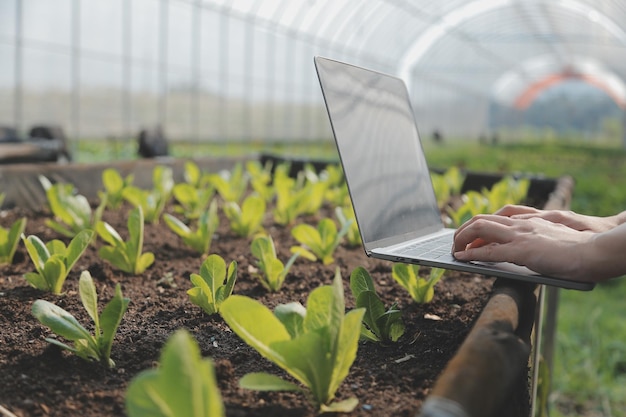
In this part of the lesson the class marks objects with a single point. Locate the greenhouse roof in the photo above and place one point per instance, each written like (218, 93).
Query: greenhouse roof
(508, 48)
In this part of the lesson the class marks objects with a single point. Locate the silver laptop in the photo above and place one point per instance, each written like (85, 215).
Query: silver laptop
(388, 178)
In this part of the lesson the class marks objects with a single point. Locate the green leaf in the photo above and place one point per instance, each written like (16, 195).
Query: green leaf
(59, 321)
(300, 251)
(54, 272)
(37, 280)
(77, 246)
(261, 381)
(110, 320)
(345, 406)
(109, 234)
(307, 235)
(291, 315)
(360, 280)
(374, 308)
(256, 325)
(177, 226)
(347, 345)
(89, 297)
(184, 384)
(37, 251)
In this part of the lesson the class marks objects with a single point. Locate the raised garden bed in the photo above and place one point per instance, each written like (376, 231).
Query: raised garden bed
(37, 379)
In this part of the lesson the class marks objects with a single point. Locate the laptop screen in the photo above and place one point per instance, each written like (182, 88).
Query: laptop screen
(381, 153)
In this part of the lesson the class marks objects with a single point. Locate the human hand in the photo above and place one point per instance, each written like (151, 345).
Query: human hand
(565, 217)
(544, 246)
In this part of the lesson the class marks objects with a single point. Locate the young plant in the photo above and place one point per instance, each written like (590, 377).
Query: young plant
(289, 200)
(506, 191)
(199, 239)
(152, 201)
(72, 211)
(273, 271)
(192, 201)
(318, 243)
(347, 218)
(230, 185)
(447, 184)
(9, 239)
(246, 220)
(53, 260)
(183, 385)
(261, 179)
(378, 325)
(114, 186)
(213, 285)
(87, 346)
(316, 345)
(421, 290)
(126, 255)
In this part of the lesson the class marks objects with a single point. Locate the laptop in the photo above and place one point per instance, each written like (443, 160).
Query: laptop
(387, 176)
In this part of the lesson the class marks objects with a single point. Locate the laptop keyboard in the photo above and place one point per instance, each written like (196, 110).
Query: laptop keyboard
(431, 248)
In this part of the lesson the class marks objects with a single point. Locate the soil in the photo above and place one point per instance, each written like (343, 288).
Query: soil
(39, 379)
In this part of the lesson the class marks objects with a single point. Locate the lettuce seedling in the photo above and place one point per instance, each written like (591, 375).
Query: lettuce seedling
(289, 200)
(183, 385)
(72, 211)
(214, 284)
(192, 201)
(261, 179)
(87, 346)
(318, 243)
(114, 186)
(421, 290)
(152, 201)
(273, 271)
(316, 345)
(9, 239)
(378, 325)
(199, 239)
(246, 220)
(53, 260)
(126, 255)
(347, 218)
(230, 185)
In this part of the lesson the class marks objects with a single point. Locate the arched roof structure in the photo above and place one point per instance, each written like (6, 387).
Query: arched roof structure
(457, 56)
(507, 51)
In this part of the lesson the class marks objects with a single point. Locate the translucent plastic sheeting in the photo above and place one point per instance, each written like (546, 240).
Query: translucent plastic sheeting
(243, 69)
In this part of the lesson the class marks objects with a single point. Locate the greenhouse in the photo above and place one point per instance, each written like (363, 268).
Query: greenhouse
(178, 227)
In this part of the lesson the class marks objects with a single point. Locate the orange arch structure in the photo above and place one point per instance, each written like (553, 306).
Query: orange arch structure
(526, 98)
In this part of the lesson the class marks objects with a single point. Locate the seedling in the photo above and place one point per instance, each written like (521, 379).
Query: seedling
(273, 271)
(114, 186)
(199, 239)
(152, 201)
(72, 211)
(316, 345)
(183, 385)
(246, 220)
(126, 255)
(421, 290)
(192, 201)
(296, 197)
(230, 185)
(378, 325)
(347, 218)
(53, 260)
(447, 184)
(213, 285)
(9, 239)
(261, 179)
(87, 346)
(505, 191)
(318, 243)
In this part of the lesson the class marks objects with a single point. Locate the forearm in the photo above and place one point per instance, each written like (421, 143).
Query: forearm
(607, 255)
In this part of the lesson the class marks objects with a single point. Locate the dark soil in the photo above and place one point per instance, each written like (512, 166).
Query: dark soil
(38, 379)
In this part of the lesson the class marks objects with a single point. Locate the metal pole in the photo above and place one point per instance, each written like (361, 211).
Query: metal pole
(18, 93)
(163, 38)
(223, 91)
(196, 69)
(127, 116)
(75, 74)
